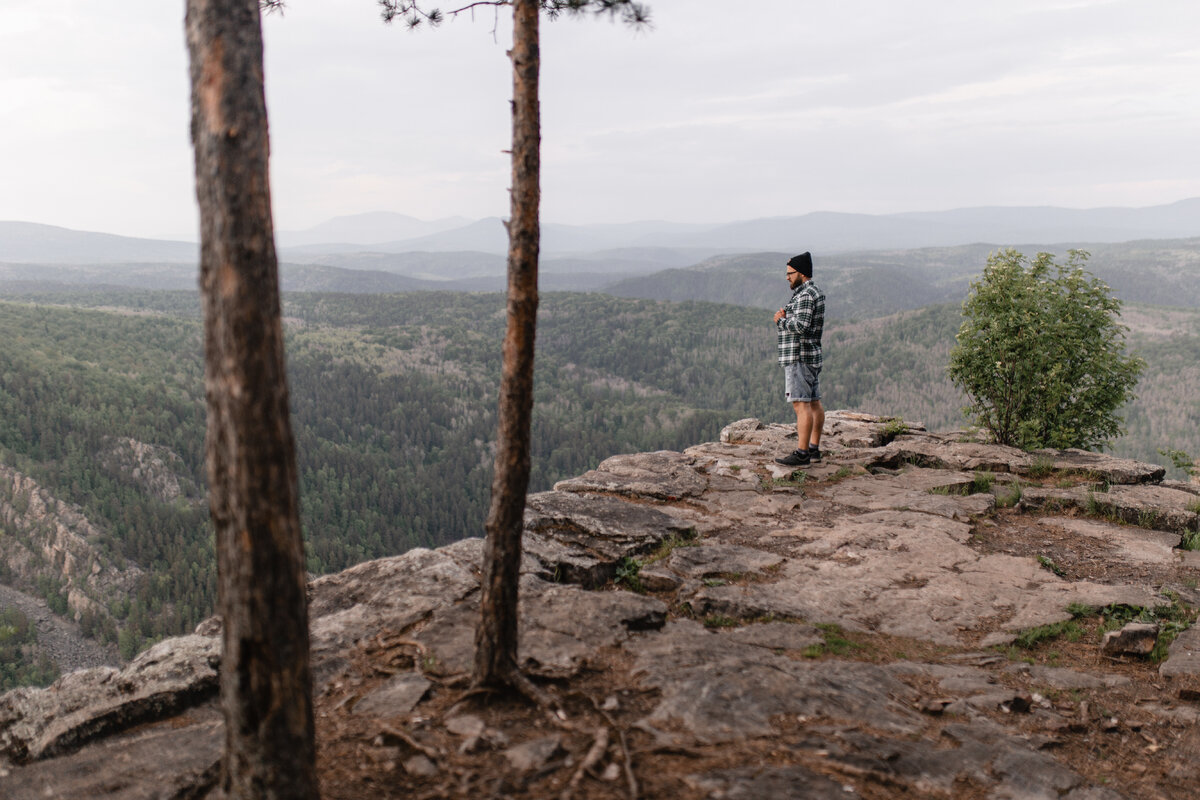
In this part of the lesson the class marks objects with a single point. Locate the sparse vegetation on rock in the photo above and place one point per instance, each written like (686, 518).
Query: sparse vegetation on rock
(890, 632)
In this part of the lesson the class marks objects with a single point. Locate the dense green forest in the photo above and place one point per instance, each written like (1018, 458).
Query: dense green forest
(394, 409)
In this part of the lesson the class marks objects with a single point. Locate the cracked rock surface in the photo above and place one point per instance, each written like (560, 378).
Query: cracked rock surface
(919, 615)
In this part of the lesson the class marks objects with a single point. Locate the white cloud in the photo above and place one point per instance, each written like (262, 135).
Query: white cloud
(715, 113)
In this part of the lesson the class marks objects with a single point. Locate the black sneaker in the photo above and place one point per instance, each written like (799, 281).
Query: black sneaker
(796, 458)
(814, 453)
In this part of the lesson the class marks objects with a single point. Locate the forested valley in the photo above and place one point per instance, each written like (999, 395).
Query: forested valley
(394, 403)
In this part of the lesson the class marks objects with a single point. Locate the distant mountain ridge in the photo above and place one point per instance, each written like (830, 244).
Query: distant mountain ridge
(825, 232)
(34, 243)
(365, 229)
(863, 285)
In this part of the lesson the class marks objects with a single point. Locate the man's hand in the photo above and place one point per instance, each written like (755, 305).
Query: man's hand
(780, 314)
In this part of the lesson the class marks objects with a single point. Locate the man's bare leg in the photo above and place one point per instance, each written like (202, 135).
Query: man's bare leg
(816, 423)
(804, 422)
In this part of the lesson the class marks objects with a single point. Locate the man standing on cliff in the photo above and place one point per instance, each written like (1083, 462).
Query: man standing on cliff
(799, 325)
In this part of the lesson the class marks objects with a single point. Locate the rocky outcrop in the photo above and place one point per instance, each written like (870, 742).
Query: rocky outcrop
(727, 628)
(42, 536)
(157, 470)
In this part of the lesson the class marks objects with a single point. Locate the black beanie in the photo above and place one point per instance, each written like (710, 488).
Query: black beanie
(802, 264)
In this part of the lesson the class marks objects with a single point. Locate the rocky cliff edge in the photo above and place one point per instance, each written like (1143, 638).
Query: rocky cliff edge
(919, 615)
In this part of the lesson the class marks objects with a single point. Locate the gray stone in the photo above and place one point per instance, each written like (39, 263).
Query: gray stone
(777, 635)
(657, 579)
(976, 681)
(1133, 544)
(739, 431)
(1154, 507)
(1034, 498)
(730, 467)
(395, 698)
(419, 766)
(1183, 655)
(1066, 679)
(561, 627)
(937, 452)
(769, 783)
(468, 553)
(914, 490)
(907, 574)
(386, 594)
(1003, 765)
(1136, 638)
(467, 726)
(175, 759)
(741, 511)
(1018, 770)
(714, 690)
(708, 560)
(662, 475)
(1001, 699)
(1102, 467)
(582, 539)
(534, 754)
(171, 676)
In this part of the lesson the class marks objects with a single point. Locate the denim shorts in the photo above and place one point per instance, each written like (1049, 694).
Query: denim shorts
(801, 382)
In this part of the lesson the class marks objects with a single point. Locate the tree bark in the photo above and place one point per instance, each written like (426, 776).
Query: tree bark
(496, 636)
(266, 690)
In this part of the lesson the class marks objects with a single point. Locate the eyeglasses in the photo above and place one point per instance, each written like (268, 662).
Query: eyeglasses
(792, 272)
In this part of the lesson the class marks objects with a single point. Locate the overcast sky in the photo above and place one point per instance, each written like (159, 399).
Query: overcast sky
(720, 111)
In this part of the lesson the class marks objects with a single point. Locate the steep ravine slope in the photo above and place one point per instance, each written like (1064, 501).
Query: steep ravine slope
(917, 616)
(44, 540)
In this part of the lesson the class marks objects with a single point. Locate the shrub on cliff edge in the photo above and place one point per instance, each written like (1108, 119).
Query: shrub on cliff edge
(1041, 354)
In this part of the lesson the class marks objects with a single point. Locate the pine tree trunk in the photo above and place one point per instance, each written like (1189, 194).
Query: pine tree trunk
(496, 636)
(265, 682)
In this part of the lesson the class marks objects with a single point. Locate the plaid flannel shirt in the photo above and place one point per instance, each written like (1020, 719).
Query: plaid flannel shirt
(801, 327)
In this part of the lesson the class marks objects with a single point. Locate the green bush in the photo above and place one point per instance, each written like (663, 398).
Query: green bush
(1041, 355)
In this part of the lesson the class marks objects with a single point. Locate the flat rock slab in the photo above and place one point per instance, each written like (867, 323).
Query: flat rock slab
(174, 675)
(910, 574)
(933, 491)
(769, 783)
(1041, 676)
(777, 635)
(582, 539)
(1037, 498)
(1183, 656)
(175, 759)
(939, 452)
(1154, 507)
(562, 626)
(661, 475)
(1146, 506)
(980, 753)
(713, 560)
(386, 594)
(714, 689)
(731, 467)
(1102, 467)
(745, 510)
(1133, 544)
